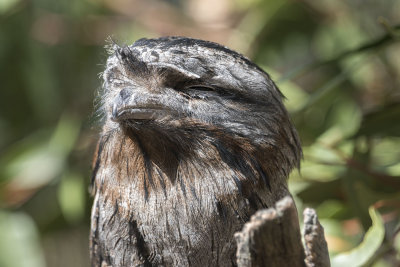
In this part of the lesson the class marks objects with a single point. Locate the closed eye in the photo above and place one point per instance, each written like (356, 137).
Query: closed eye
(204, 91)
(201, 92)
(207, 90)
(201, 88)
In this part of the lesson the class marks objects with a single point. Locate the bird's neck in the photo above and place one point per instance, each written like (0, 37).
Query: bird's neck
(155, 163)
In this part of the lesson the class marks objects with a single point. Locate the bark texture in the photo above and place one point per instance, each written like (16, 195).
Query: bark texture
(316, 248)
(272, 238)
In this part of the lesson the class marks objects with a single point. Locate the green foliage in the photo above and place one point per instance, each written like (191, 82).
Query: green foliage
(337, 62)
(20, 245)
(364, 252)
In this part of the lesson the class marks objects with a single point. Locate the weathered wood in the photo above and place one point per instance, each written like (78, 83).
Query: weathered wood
(315, 245)
(272, 238)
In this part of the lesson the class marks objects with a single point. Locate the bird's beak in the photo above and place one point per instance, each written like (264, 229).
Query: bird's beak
(124, 108)
(114, 112)
(119, 104)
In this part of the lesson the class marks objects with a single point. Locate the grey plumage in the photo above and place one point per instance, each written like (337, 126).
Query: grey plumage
(195, 140)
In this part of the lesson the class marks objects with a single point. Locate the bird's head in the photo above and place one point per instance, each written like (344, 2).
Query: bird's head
(186, 92)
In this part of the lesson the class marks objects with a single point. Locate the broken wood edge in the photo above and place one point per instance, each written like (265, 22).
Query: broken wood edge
(315, 246)
(272, 237)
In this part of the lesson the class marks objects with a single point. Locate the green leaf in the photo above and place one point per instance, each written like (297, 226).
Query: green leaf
(317, 192)
(366, 250)
(6, 5)
(71, 196)
(28, 166)
(20, 244)
(384, 121)
(296, 97)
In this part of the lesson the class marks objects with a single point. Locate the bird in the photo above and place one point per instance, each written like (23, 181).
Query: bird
(194, 140)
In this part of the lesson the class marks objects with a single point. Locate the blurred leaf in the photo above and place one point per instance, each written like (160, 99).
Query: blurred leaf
(320, 172)
(253, 23)
(41, 77)
(361, 194)
(383, 122)
(394, 170)
(319, 152)
(346, 117)
(345, 35)
(386, 158)
(27, 170)
(382, 263)
(321, 92)
(65, 134)
(317, 192)
(6, 5)
(396, 244)
(330, 208)
(365, 74)
(245, 4)
(295, 97)
(334, 236)
(20, 245)
(368, 247)
(321, 163)
(71, 196)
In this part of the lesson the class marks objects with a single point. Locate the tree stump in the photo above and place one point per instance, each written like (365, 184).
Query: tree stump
(272, 238)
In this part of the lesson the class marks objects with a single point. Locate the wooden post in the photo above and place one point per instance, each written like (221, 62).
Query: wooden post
(272, 238)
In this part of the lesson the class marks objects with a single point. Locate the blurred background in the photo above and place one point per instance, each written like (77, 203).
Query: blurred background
(337, 62)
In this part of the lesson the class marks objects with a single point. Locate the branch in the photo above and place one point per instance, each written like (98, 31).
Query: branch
(390, 36)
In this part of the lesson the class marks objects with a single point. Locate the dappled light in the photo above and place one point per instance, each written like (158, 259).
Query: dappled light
(336, 62)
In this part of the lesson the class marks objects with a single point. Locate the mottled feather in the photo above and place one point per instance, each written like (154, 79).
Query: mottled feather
(195, 140)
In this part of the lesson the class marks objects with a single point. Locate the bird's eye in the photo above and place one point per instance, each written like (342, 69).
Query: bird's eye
(201, 88)
(200, 91)
(206, 92)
